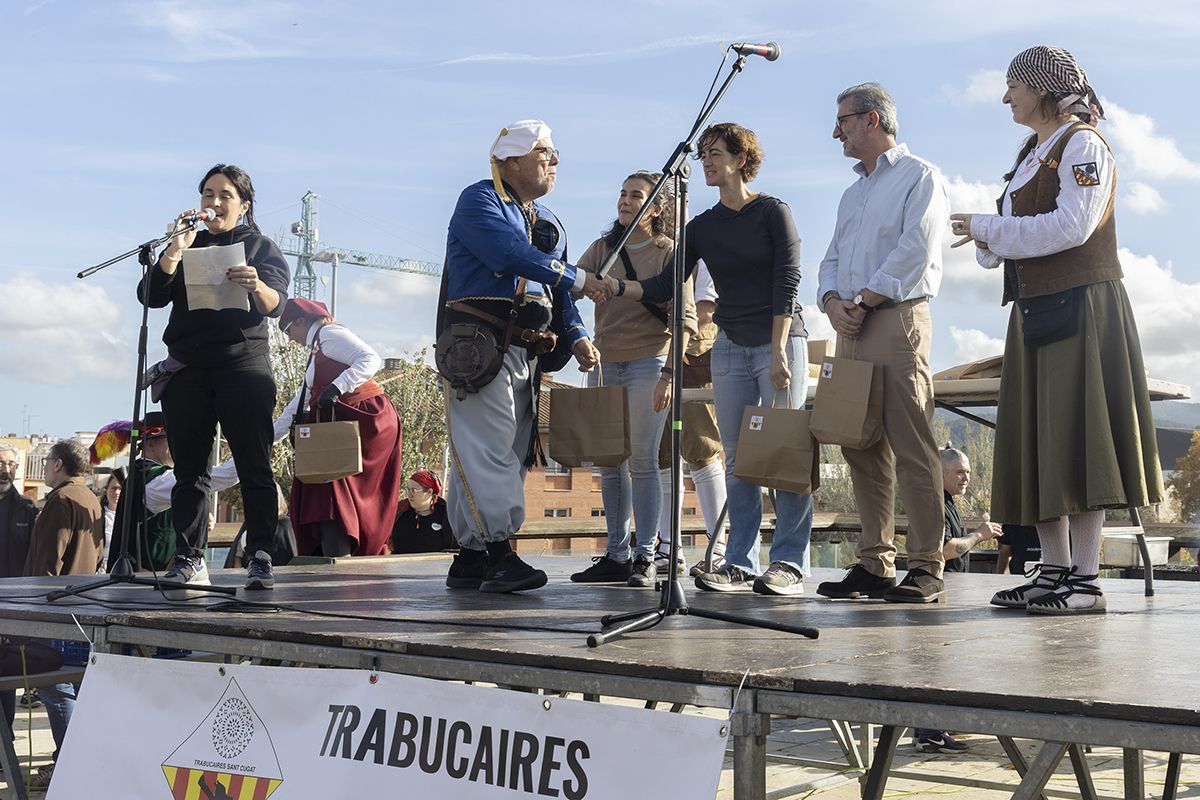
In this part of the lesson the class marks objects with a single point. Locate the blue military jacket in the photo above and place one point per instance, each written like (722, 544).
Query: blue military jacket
(488, 251)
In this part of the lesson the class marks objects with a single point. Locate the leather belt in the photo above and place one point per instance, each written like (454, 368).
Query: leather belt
(538, 341)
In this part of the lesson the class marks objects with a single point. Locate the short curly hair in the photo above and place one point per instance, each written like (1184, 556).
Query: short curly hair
(738, 141)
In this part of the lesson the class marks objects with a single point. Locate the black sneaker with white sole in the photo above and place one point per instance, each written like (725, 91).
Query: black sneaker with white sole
(511, 574)
(259, 574)
(643, 574)
(729, 578)
(188, 569)
(939, 743)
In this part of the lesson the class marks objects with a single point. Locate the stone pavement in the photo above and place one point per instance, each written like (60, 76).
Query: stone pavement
(32, 733)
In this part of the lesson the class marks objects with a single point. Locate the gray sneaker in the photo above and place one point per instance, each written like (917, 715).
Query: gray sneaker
(643, 574)
(729, 578)
(187, 569)
(259, 574)
(780, 579)
(662, 557)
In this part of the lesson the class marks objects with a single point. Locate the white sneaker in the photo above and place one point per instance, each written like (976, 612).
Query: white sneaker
(663, 557)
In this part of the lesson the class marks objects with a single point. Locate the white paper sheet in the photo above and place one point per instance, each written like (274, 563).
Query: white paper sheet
(204, 272)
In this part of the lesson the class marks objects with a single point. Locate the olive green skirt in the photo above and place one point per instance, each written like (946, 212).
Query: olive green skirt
(1074, 431)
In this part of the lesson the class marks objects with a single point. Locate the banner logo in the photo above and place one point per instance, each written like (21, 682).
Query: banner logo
(229, 756)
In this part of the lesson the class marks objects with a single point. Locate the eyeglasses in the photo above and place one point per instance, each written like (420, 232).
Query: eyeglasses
(10, 464)
(548, 153)
(839, 120)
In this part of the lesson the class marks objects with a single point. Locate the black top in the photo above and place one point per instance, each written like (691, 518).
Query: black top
(413, 533)
(954, 529)
(753, 256)
(207, 338)
(1025, 544)
(17, 515)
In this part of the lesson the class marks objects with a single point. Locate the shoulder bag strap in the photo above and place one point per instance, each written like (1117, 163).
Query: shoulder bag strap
(654, 310)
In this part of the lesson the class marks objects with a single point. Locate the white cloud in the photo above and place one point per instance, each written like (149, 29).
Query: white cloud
(60, 333)
(973, 345)
(194, 37)
(1141, 198)
(962, 277)
(1164, 307)
(1145, 151)
(390, 289)
(985, 86)
(817, 324)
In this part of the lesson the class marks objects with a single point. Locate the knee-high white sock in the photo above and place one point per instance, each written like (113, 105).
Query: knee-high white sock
(1086, 536)
(1056, 542)
(710, 492)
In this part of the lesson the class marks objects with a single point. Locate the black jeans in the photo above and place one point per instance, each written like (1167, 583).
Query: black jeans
(241, 397)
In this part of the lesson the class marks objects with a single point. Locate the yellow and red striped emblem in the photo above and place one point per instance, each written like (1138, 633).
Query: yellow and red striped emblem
(198, 784)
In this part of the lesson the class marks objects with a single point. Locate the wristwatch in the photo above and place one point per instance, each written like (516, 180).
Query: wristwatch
(861, 303)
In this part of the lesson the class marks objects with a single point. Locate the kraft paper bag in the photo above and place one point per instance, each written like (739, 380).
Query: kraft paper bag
(589, 427)
(776, 449)
(326, 451)
(848, 408)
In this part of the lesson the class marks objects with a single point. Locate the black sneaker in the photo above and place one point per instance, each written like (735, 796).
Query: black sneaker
(643, 574)
(858, 582)
(30, 699)
(604, 570)
(511, 574)
(918, 586)
(258, 572)
(939, 743)
(729, 578)
(698, 568)
(467, 569)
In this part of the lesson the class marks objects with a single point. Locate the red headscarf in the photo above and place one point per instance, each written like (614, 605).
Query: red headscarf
(428, 480)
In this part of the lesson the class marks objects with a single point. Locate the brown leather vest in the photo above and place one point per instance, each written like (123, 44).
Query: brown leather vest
(1094, 261)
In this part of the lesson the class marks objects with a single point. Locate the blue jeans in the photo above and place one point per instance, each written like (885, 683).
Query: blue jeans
(59, 701)
(633, 487)
(742, 377)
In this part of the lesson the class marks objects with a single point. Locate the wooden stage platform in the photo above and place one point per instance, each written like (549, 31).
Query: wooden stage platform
(1125, 679)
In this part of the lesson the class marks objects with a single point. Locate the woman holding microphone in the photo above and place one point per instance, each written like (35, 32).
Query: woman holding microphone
(221, 373)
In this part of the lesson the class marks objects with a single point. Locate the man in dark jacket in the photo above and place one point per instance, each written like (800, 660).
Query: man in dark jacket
(17, 515)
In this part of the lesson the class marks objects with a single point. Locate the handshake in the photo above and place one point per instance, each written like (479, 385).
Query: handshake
(599, 290)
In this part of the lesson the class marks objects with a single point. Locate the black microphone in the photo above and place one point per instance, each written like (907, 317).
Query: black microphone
(770, 51)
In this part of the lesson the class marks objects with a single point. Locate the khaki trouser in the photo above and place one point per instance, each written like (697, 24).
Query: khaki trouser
(898, 339)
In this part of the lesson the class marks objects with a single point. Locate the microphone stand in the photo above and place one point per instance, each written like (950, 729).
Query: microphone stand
(672, 601)
(123, 570)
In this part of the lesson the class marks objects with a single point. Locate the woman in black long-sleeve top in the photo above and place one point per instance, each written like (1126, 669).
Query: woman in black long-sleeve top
(750, 244)
(225, 375)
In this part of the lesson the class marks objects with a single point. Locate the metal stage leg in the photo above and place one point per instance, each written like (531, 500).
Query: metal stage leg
(749, 729)
(1018, 760)
(1171, 784)
(1083, 776)
(1040, 771)
(889, 737)
(1135, 775)
(12, 764)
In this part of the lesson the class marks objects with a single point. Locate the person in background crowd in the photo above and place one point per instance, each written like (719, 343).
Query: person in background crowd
(494, 271)
(351, 515)
(882, 268)
(154, 539)
(1074, 430)
(635, 339)
(421, 523)
(67, 539)
(749, 243)
(108, 503)
(17, 516)
(222, 373)
(1019, 550)
(957, 543)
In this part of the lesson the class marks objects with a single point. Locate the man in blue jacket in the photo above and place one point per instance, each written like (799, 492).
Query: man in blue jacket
(506, 271)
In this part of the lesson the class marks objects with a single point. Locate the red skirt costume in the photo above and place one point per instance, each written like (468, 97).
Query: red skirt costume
(363, 504)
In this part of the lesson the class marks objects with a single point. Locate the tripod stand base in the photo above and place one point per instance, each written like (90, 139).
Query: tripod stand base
(123, 575)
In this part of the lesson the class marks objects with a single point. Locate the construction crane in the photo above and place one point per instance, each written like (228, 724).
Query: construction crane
(306, 246)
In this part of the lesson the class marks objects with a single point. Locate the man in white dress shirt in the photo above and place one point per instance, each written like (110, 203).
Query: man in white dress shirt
(882, 268)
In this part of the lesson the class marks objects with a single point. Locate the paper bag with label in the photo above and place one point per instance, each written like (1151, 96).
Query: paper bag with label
(776, 449)
(326, 451)
(589, 427)
(848, 408)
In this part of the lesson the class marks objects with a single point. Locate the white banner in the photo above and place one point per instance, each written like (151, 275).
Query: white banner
(146, 729)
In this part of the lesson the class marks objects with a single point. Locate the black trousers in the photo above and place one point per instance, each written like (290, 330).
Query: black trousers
(241, 397)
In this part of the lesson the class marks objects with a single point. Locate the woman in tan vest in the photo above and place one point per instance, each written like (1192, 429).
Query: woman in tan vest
(1074, 433)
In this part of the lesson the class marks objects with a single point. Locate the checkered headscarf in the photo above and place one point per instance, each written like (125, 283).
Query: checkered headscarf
(1054, 70)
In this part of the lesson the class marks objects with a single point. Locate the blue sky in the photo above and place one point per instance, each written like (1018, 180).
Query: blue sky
(113, 111)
